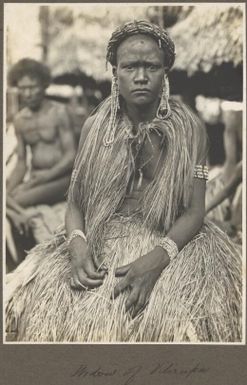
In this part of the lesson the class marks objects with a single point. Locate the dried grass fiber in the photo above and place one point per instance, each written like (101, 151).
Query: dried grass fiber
(198, 296)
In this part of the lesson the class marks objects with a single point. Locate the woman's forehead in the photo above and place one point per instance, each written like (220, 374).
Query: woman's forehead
(138, 39)
(138, 44)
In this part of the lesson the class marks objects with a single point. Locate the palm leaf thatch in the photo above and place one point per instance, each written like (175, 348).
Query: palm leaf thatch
(205, 37)
(208, 37)
(79, 36)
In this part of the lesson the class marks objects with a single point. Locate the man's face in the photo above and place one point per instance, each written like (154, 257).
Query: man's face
(140, 70)
(31, 91)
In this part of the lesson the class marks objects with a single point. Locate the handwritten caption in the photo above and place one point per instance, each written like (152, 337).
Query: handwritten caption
(129, 375)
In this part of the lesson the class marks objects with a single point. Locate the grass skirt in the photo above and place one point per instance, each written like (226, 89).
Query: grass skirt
(197, 297)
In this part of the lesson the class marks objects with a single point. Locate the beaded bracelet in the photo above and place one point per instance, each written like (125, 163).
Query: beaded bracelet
(74, 234)
(201, 172)
(170, 246)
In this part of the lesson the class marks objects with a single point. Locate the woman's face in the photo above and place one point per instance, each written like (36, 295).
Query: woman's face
(140, 70)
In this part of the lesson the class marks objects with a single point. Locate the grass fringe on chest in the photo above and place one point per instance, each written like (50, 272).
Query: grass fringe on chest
(103, 173)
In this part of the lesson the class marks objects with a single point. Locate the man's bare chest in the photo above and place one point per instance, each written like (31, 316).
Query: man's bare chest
(39, 127)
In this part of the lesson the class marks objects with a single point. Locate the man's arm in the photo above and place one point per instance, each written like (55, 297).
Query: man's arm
(19, 171)
(230, 142)
(68, 146)
(228, 189)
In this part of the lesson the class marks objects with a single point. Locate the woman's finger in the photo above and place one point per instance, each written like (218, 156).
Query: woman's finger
(87, 284)
(132, 299)
(122, 270)
(72, 283)
(75, 284)
(92, 273)
(122, 285)
(140, 305)
(100, 266)
(80, 278)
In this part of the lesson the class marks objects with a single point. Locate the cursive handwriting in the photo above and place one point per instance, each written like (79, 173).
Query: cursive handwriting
(173, 369)
(131, 373)
(127, 375)
(84, 371)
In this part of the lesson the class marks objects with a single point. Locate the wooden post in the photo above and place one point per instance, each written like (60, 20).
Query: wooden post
(44, 26)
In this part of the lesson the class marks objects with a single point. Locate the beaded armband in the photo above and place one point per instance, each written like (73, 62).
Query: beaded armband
(201, 172)
(76, 233)
(170, 246)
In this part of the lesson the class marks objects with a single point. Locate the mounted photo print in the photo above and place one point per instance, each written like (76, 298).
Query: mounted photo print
(124, 190)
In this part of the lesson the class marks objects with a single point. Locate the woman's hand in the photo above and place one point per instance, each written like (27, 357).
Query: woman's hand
(140, 276)
(84, 273)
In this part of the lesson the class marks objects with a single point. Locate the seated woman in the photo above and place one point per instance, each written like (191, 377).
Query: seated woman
(136, 262)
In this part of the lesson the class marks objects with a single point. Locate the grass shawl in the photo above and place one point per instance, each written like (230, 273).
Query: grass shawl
(103, 173)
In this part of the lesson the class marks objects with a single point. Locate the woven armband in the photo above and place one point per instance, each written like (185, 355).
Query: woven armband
(170, 246)
(74, 234)
(201, 172)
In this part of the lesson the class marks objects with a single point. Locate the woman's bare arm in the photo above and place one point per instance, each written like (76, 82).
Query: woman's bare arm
(84, 272)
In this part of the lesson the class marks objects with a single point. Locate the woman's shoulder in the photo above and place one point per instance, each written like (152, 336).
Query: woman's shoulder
(193, 125)
(187, 115)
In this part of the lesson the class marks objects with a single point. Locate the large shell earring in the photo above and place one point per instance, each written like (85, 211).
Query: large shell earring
(164, 110)
(110, 132)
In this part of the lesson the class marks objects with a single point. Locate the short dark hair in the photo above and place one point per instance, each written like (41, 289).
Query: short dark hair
(29, 67)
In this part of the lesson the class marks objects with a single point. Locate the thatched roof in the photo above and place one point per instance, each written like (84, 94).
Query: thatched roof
(210, 36)
(79, 36)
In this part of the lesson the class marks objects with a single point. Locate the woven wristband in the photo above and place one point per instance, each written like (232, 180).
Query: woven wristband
(76, 233)
(201, 172)
(170, 246)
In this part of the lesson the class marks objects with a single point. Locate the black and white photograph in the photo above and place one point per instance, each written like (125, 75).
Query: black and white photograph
(124, 147)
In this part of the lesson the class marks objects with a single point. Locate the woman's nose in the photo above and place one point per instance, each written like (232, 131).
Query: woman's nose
(141, 75)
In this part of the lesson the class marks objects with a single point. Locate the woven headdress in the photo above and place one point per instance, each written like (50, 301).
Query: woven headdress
(145, 28)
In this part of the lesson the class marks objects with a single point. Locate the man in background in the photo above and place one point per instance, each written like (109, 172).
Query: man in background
(45, 146)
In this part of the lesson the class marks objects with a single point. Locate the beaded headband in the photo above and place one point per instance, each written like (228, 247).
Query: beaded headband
(146, 28)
